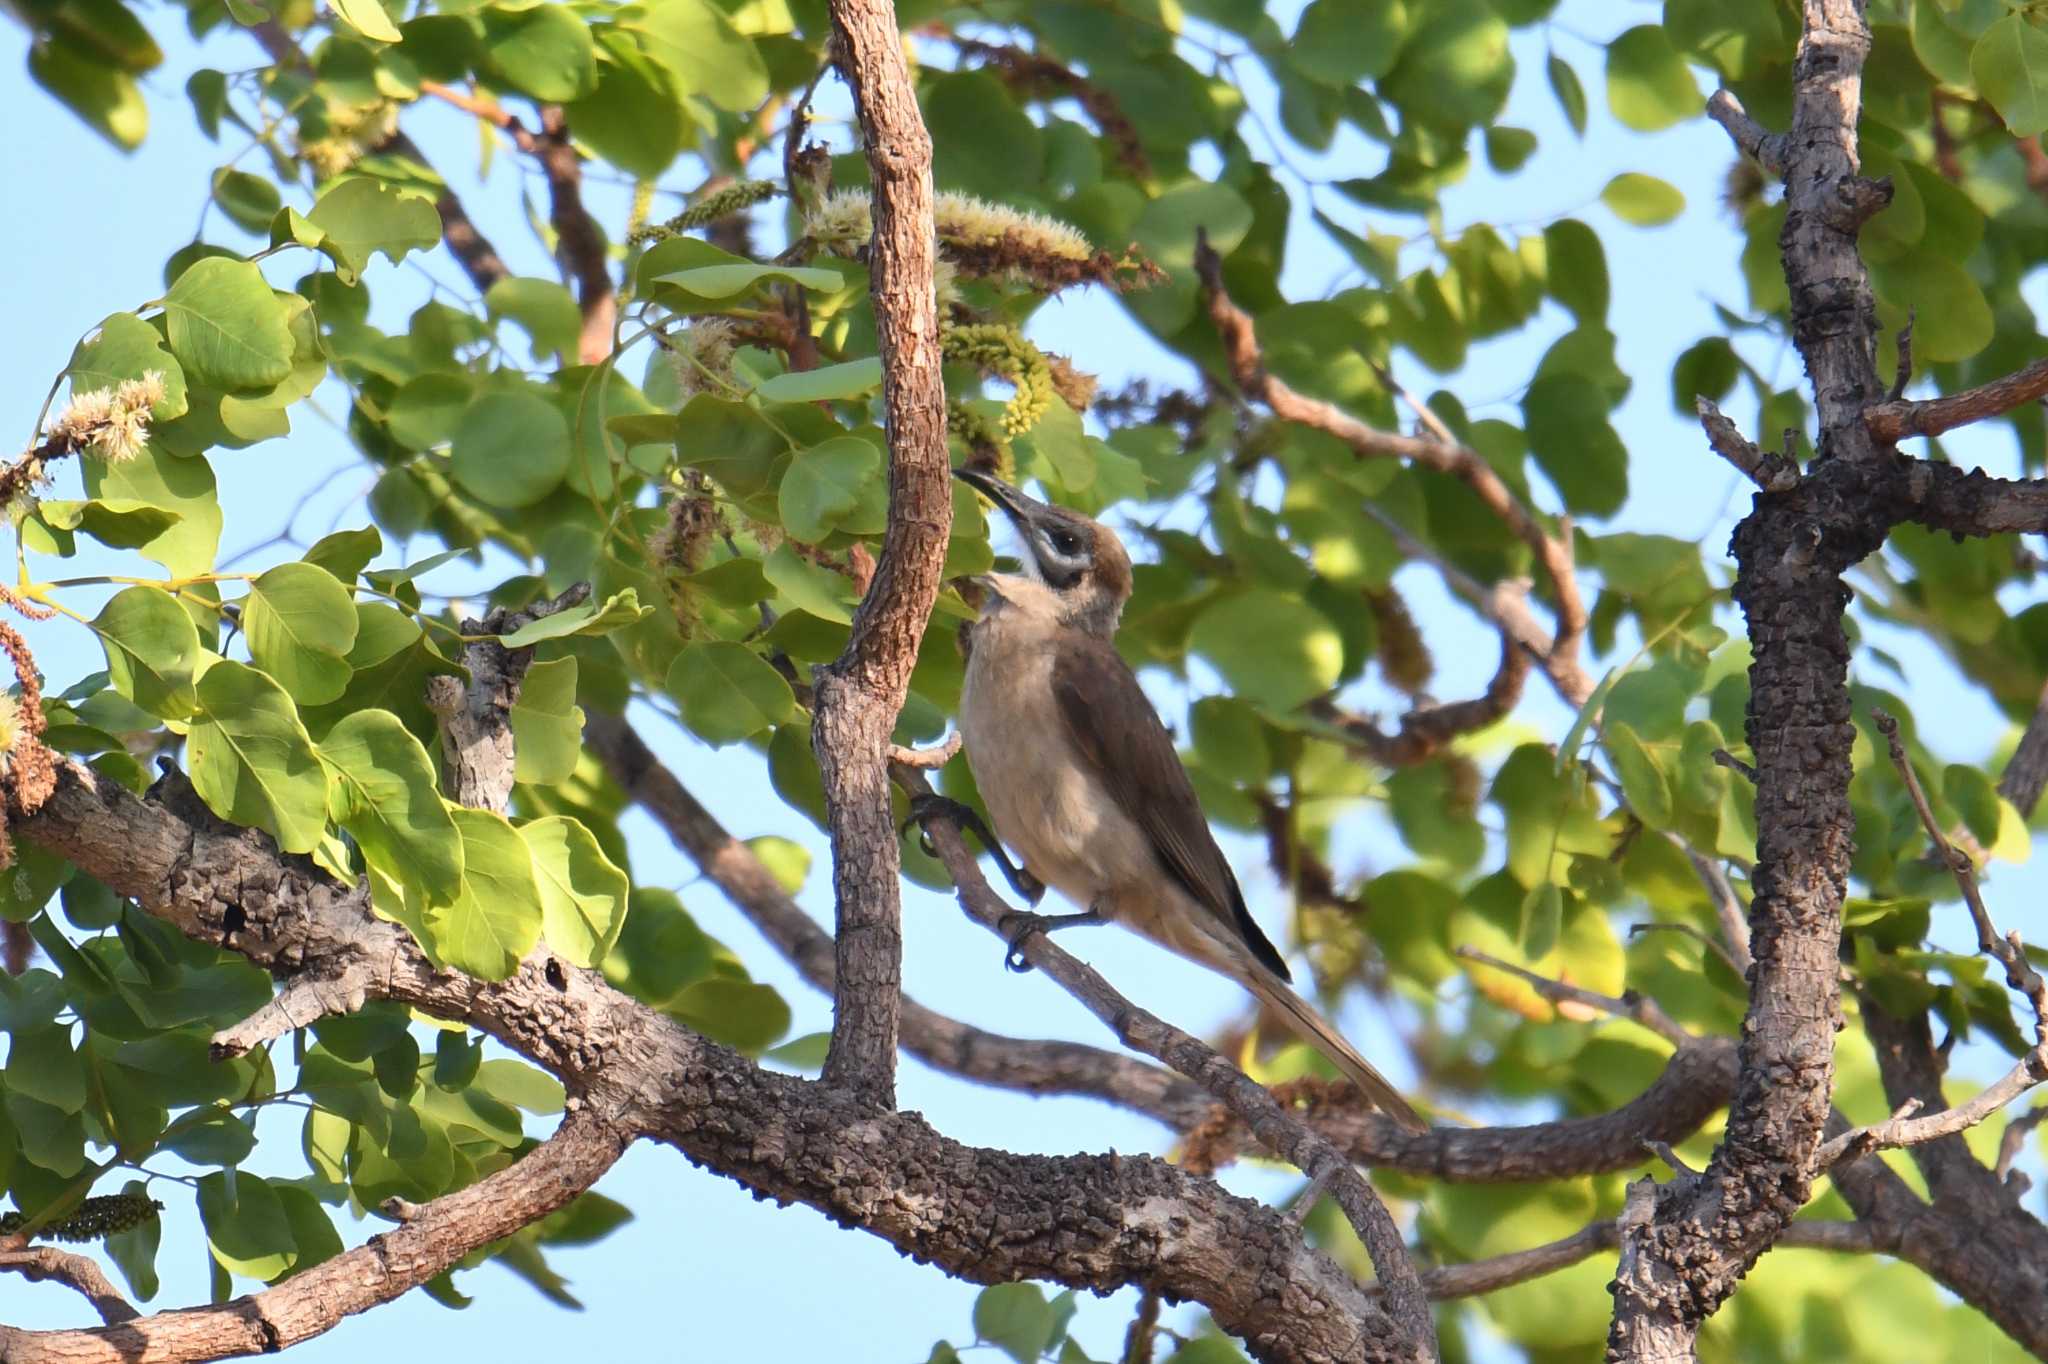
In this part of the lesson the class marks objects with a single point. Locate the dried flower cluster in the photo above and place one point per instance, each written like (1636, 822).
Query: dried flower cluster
(1403, 656)
(337, 140)
(988, 241)
(112, 423)
(702, 354)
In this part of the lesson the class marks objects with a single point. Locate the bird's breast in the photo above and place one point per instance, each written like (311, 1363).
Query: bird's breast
(1044, 801)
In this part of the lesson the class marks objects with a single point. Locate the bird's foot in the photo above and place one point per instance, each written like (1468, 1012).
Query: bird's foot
(1017, 929)
(930, 805)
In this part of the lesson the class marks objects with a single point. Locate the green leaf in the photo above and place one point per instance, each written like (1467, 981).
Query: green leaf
(1542, 918)
(708, 56)
(582, 895)
(368, 18)
(854, 379)
(428, 410)
(251, 760)
(134, 1251)
(618, 611)
(1649, 85)
(249, 201)
(301, 624)
(1507, 149)
(345, 553)
(824, 484)
(1569, 434)
(739, 1013)
(1340, 43)
(1952, 320)
(383, 791)
(546, 310)
(1271, 648)
(728, 692)
(1577, 270)
(1644, 782)
(1455, 70)
(152, 650)
(1571, 95)
(246, 1226)
(218, 1137)
(547, 724)
(42, 1065)
(1642, 200)
(511, 449)
(312, 1229)
(544, 51)
(125, 347)
(107, 99)
(713, 282)
(496, 920)
(2010, 66)
(638, 116)
(361, 217)
(185, 486)
(1016, 1318)
(809, 587)
(226, 327)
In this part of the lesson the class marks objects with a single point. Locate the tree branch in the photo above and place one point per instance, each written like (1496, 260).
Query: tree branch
(1772, 473)
(1425, 730)
(390, 1263)
(858, 696)
(1899, 420)
(1944, 497)
(476, 720)
(1248, 369)
(1695, 1239)
(2026, 772)
(49, 1264)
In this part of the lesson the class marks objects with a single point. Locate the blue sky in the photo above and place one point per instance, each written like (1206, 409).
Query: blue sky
(705, 1271)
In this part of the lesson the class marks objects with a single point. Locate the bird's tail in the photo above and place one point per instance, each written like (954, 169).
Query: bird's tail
(1313, 1028)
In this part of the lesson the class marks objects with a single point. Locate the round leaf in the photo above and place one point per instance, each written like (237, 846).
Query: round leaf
(1273, 649)
(152, 650)
(1649, 85)
(582, 895)
(301, 624)
(251, 760)
(1643, 200)
(824, 484)
(728, 692)
(496, 920)
(226, 327)
(385, 794)
(511, 449)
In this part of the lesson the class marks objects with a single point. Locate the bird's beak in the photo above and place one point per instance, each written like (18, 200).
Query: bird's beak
(1015, 505)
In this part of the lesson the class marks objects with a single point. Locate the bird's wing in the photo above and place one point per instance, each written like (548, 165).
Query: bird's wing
(1117, 732)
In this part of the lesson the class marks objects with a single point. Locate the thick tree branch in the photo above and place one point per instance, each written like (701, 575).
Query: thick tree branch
(858, 696)
(476, 720)
(1248, 369)
(1683, 1258)
(80, 1273)
(1943, 497)
(1899, 420)
(1245, 1098)
(1103, 1221)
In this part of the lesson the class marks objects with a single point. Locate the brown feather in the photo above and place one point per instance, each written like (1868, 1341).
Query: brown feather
(1116, 731)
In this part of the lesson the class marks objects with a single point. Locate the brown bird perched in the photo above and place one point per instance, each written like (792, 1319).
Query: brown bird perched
(1082, 779)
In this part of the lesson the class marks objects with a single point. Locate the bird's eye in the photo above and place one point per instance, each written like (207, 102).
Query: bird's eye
(1064, 541)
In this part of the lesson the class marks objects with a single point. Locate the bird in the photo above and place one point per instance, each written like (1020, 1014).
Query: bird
(1083, 781)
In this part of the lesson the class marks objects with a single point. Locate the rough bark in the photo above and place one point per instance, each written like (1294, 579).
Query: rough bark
(858, 696)
(1679, 1264)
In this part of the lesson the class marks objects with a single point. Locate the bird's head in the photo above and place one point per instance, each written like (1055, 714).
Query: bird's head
(1079, 563)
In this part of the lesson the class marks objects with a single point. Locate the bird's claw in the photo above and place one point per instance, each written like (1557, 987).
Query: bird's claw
(929, 805)
(1017, 929)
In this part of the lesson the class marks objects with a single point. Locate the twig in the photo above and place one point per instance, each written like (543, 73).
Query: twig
(1444, 1282)
(1723, 758)
(2014, 1138)
(1144, 1330)
(1773, 473)
(1765, 148)
(476, 720)
(40, 1264)
(928, 759)
(1898, 420)
(1426, 729)
(1904, 374)
(1635, 1007)
(1734, 919)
